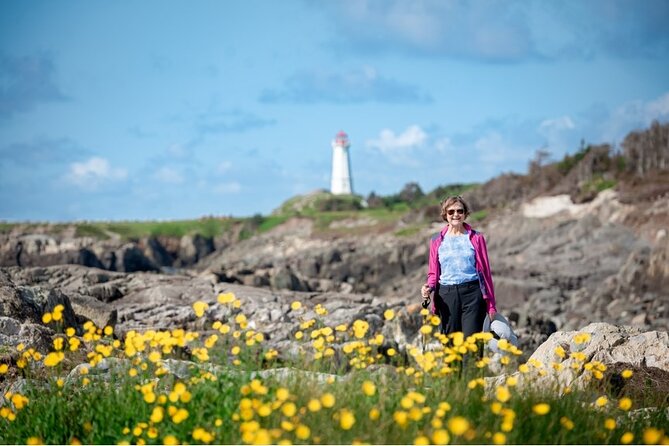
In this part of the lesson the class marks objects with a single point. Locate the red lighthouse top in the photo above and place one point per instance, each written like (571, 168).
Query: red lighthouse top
(341, 139)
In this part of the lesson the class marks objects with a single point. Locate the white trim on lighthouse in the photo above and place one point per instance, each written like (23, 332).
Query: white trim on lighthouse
(341, 166)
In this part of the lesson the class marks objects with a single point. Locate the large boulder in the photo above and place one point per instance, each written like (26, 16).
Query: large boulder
(610, 349)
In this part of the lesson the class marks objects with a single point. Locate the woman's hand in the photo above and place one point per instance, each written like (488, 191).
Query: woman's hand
(492, 314)
(425, 291)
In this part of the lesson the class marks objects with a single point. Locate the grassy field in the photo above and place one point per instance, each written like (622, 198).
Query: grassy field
(226, 386)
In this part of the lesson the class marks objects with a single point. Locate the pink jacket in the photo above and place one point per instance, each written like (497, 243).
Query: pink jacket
(482, 265)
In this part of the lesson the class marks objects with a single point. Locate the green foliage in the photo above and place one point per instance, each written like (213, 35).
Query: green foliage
(569, 161)
(91, 230)
(409, 231)
(598, 184)
(338, 203)
(5, 227)
(441, 192)
(271, 222)
(478, 215)
(322, 201)
(132, 230)
(237, 390)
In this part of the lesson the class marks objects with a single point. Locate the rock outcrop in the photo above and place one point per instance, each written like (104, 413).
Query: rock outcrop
(608, 349)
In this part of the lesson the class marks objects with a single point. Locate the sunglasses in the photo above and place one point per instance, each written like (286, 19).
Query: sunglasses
(453, 211)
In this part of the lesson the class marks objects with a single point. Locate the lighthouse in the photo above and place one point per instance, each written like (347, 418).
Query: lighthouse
(341, 166)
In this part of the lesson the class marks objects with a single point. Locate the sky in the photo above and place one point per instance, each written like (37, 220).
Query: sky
(167, 109)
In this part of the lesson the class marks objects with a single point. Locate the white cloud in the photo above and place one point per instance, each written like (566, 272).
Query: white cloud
(231, 187)
(92, 173)
(556, 124)
(388, 143)
(168, 175)
(443, 145)
(634, 115)
(659, 108)
(558, 133)
(224, 167)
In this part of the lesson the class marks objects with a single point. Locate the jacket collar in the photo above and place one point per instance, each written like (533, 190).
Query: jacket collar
(467, 227)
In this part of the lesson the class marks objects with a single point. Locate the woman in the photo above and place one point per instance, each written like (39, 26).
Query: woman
(459, 273)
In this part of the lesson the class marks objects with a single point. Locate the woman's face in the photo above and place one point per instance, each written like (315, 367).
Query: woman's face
(455, 214)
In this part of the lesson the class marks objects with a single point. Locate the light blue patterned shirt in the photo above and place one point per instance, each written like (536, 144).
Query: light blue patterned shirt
(457, 260)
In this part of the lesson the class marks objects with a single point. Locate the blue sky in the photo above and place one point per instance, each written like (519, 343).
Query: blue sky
(165, 109)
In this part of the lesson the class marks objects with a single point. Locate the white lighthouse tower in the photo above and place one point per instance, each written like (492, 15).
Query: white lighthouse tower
(341, 166)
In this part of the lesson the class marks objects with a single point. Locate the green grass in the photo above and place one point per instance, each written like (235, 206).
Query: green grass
(207, 227)
(91, 230)
(375, 397)
(409, 230)
(479, 215)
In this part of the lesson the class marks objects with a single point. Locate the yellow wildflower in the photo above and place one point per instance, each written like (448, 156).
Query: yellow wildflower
(226, 298)
(567, 423)
(499, 438)
(625, 403)
(610, 424)
(368, 388)
(53, 359)
(328, 400)
(581, 338)
(19, 401)
(4, 368)
(400, 417)
(34, 440)
(627, 438)
(652, 435)
(440, 436)
(541, 408)
(502, 394)
(282, 394)
(157, 414)
(46, 318)
(627, 373)
(264, 410)
(601, 401)
(170, 440)
(346, 419)
(200, 307)
(179, 416)
(289, 409)
(458, 425)
(421, 440)
(296, 305)
(374, 414)
(314, 405)
(302, 432)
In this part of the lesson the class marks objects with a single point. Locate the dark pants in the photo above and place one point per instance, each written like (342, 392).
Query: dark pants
(461, 308)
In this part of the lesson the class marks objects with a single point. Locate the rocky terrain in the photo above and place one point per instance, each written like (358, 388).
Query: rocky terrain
(557, 266)
(566, 250)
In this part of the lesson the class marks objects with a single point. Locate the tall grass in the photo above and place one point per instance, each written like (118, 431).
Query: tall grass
(345, 385)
